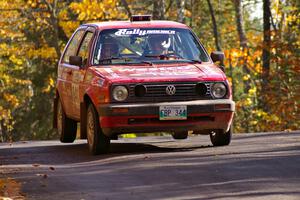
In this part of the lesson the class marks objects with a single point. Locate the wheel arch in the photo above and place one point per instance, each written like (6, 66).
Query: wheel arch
(83, 112)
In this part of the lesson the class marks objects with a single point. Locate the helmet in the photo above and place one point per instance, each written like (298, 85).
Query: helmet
(159, 43)
(109, 50)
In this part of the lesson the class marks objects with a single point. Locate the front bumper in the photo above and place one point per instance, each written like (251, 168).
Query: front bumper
(144, 117)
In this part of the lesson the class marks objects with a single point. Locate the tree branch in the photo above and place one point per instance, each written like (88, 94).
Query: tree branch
(125, 4)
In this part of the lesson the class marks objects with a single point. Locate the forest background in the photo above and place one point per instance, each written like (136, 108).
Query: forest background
(260, 39)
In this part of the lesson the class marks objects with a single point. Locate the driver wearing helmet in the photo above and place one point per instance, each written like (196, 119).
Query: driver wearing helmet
(158, 44)
(109, 50)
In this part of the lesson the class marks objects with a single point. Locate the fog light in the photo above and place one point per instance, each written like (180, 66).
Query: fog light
(120, 110)
(222, 106)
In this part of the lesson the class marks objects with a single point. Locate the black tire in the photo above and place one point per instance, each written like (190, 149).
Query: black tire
(66, 127)
(219, 138)
(98, 142)
(180, 135)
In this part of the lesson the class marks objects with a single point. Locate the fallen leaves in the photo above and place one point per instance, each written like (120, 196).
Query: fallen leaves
(42, 175)
(10, 189)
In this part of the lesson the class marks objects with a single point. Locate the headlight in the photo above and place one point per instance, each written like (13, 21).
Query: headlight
(218, 90)
(120, 93)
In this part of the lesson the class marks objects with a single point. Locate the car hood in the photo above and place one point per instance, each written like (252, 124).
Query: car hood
(162, 72)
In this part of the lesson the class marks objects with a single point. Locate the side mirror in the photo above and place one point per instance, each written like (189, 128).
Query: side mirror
(75, 60)
(217, 56)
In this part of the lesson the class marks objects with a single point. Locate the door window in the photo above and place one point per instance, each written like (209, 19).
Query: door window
(72, 48)
(84, 48)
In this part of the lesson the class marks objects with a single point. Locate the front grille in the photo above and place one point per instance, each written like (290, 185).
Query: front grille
(156, 92)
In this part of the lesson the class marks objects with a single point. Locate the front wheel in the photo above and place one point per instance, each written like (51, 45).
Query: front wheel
(98, 142)
(219, 138)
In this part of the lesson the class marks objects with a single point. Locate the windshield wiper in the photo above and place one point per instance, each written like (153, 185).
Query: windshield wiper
(162, 56)
(147, 62)
(108, 60)
(195, 61)
(126, 60)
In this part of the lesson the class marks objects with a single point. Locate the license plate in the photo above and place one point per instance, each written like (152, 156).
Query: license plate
(172, 113)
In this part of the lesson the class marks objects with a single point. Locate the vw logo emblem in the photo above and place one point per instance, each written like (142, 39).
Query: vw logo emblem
(170, 89)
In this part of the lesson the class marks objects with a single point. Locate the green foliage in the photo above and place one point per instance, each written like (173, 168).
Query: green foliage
(33, 34)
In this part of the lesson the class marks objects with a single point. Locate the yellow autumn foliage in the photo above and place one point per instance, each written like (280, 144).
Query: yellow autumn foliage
(44, 53)
(34, 32)
(49, 86)
(91, 10)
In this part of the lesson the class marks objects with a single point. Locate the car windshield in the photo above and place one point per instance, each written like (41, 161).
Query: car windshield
(151, 45)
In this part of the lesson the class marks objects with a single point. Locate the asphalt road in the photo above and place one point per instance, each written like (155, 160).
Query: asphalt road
(254, 166)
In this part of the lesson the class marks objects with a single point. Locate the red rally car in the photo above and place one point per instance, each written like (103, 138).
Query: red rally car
(140, 76)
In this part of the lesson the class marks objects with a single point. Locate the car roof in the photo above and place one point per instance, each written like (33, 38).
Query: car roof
(139, 24)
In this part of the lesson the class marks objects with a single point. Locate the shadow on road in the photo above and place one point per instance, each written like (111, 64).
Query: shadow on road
(264, 168)
(74, 153)
(265, 135)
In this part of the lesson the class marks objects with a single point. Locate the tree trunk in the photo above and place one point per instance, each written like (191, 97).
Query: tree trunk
(158, 9)
(125, 5)
(52, 9)
(231, 76)
(266, 50)
(239, 23)
(192, 13)
(215, 27)
(1, 132)
(180, 10)
(243, 40)
(4, 135)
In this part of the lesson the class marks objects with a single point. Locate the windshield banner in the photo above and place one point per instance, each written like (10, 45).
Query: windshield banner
(122, 32)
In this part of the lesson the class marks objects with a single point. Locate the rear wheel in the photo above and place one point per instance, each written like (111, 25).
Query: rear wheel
(219, 138)
(66, 127)
(98, 142)
(180, 135)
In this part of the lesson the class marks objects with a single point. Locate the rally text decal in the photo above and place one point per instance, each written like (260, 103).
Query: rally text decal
(122, 32)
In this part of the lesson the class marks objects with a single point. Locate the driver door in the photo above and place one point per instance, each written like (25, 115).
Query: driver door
(78, 74)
